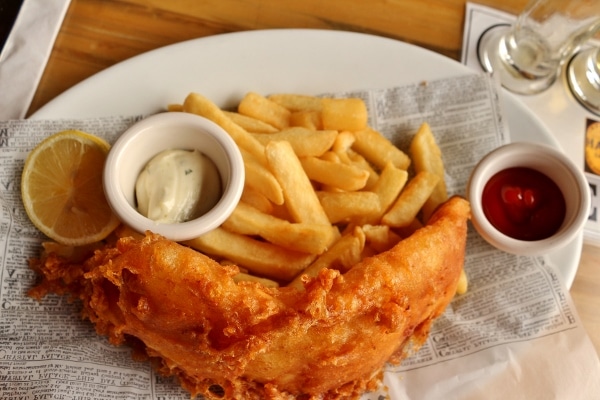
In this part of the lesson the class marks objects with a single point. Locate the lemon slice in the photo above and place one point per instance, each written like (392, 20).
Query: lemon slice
(61, 188)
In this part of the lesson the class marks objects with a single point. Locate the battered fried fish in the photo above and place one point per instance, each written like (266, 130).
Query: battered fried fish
(328, 341)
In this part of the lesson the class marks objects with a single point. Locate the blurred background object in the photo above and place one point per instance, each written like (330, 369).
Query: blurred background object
(528, 54)
(583, 77)
(9, 9)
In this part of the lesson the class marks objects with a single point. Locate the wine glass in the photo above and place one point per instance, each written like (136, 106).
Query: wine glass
(528, 55)
(583, 77)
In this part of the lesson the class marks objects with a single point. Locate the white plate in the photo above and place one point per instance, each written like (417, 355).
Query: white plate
(225, 67)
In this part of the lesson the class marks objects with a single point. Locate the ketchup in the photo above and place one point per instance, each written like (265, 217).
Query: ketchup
(524, 204)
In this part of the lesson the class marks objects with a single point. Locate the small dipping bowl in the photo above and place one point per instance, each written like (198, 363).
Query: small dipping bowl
(555, 165)
(169, 131)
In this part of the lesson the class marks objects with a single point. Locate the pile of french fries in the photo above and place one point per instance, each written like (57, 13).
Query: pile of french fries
(323, 189)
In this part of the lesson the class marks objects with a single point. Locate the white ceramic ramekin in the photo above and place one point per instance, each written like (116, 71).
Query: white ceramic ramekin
(172, 130)
(555, 165)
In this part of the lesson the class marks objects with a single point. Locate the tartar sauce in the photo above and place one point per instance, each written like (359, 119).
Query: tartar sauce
(177, 186)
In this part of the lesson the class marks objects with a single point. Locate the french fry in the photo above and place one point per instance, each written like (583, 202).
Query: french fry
(378, 150)
(297, 102)
(335, 174)
(390, 183)
(349, 114)
(406, 231)
(305, 142)
(175, 107)
(280, 211)
(259, 178)
(126, 231)
(243, 277)
(256, 106)
(463, 283)
(258, 200)
(361, 162)
(410, 201)
(331, 157)
(197, 104)
(342, 256)
(250, 124)
(307, 119)
(380, 237)
(349, 206)
(343, 142)
(301, 237)
(259, 257)
(300, 197)
(427, 156)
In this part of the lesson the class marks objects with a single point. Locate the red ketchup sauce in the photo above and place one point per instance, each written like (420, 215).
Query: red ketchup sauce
(524, 204)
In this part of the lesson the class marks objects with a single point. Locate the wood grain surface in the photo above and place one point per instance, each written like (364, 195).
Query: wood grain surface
(97, 34)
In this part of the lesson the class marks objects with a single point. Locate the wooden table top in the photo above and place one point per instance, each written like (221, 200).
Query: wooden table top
(99, 33)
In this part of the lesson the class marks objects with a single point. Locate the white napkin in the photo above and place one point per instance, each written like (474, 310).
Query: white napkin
(26, 53)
